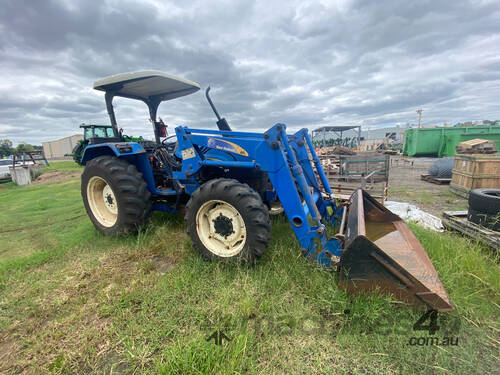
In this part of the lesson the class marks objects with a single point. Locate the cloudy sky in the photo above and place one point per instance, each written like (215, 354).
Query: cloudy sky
(304, 63)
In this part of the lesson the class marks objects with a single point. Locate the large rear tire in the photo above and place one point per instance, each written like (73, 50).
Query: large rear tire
(227, 220)
(115, 196)
(77, 153)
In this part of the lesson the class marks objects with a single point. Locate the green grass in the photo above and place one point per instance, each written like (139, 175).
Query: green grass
(75, 302)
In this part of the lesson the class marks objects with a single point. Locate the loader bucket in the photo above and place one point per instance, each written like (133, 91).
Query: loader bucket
(381, 252)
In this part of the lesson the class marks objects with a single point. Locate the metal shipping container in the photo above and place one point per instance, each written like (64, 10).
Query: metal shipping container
(442, 141)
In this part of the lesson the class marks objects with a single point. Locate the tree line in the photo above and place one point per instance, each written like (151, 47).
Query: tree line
(7, 149)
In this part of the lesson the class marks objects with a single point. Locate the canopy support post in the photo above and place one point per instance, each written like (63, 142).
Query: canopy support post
(153, 109)
(109, 106)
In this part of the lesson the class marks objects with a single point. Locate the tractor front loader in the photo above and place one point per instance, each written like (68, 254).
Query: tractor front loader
(227, 181)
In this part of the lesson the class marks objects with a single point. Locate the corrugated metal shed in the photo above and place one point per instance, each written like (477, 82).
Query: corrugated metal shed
(57, 149)
(380, 133)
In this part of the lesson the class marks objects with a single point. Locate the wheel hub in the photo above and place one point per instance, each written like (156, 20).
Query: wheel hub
(109, 199)
(223, 226)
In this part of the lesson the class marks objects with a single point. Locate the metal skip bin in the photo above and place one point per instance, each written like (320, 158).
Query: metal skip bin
(381, 252)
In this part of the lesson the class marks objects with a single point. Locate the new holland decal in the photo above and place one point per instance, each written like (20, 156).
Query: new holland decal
(220, 144)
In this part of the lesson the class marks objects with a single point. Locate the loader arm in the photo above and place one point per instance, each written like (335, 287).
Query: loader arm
(288, 166)
(375, 249)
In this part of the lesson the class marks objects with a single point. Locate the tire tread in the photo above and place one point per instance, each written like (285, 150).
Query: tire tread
(130, 189)
(247, 201)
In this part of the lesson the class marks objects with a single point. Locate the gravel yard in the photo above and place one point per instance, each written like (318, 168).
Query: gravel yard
(405, 185)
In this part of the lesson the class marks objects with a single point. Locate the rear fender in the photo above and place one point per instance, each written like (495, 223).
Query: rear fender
(118, 149)
(92, 152)
(132, 152)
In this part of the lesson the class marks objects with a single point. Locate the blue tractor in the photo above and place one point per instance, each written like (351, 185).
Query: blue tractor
(226, 183)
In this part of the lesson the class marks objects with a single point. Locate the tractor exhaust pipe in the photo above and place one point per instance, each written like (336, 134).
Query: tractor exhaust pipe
(381, 252)
(221, 122)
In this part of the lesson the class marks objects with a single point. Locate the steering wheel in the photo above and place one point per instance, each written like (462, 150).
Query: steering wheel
(164, 143)
(166, 139)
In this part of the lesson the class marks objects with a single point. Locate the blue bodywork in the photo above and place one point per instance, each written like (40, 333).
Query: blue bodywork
(294, 173)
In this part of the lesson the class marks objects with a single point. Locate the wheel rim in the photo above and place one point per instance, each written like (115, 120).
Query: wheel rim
(102, 201)
(221, 228)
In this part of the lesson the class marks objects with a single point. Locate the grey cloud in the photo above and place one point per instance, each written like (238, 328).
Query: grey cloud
(303, 63)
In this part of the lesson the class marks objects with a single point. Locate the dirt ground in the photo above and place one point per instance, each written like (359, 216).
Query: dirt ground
(55, 176)
(405, 185)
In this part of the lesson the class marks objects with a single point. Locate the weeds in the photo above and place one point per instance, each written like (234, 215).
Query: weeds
(73, 301)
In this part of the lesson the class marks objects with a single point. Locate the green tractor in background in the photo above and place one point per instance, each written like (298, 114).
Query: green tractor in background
(94, 134)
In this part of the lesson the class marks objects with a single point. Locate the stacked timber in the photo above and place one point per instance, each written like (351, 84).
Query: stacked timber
(335, 150)
(329, 157)
(477, 146)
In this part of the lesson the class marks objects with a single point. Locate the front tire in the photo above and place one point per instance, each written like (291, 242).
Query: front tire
(115, 196)
(227, 220)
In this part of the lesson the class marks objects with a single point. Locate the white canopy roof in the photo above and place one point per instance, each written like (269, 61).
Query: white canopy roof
(146, 85)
